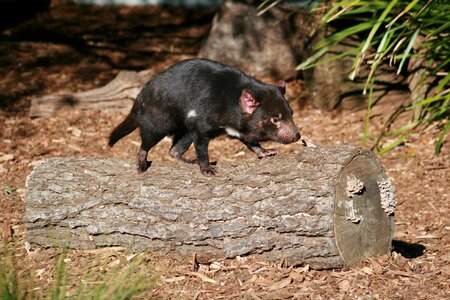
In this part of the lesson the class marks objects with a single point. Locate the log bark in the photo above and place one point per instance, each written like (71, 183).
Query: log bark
(326, 207)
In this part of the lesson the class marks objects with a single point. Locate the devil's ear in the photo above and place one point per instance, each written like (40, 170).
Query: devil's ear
(282, 86)
(248, 102)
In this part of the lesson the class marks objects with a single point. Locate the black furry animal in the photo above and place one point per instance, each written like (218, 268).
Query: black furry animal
(197, 100)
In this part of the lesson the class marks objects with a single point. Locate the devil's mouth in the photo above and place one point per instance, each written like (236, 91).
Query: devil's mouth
(271, 137)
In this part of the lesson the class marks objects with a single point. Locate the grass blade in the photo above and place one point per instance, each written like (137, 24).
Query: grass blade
(438, 30)
(443, 82)
(340, 35)
(381, 46)
(437, 148)
(374, 30)
(408, 50)
(261, 12)
(368, 114)
(394, 143)
(427, 101)
(404, 128)
(371, 35)
(312, 59)
(408, 8)
(343, 10)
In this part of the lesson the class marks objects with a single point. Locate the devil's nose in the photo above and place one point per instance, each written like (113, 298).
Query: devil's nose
(297, 137)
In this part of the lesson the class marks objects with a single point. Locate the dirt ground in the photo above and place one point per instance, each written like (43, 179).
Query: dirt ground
(75, 48)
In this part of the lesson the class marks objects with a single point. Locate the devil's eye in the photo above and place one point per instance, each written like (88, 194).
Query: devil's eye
(275, 120)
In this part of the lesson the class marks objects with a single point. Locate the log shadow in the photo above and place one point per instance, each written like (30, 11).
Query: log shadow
(408, 250)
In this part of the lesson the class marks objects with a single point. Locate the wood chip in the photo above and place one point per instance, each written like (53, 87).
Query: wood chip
(264, 282)
(367, 270)
(105, 250)
(401, 273)
(7, 231)
(344, 285)
(426, 236)
(75, 131)
(130, 257)
(252, 280)
(215, 266)
(280, 284)
(6, 157)
(376, 266)
(173, 279)
(253, 295)
(203, 277)
(297, 276)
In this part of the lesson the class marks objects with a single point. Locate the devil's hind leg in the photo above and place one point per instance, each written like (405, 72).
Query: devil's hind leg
(181, 142)
(149, 139)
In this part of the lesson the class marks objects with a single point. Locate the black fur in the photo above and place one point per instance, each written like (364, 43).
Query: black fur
(196, 100)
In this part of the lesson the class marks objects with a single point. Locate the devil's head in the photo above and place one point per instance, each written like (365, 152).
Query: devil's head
(268, 115)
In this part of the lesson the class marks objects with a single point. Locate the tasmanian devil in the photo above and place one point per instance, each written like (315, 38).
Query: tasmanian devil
(197, 100)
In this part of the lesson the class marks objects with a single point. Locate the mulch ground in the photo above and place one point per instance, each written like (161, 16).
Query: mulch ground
(74, 48)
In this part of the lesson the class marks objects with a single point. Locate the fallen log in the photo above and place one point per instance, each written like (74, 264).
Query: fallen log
(326, 207)
(117, 95)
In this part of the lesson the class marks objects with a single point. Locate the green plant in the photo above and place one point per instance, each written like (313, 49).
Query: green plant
(9, 283)
(396, 32)
(122, 282)
(59, 287)
(118, 284)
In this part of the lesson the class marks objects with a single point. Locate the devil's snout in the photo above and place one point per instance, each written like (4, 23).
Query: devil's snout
(293, 137)
(288, 133)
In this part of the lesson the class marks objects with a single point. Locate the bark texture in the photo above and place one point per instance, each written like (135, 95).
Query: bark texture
(326, 207)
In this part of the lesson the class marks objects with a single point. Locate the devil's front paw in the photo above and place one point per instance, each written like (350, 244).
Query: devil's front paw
(209, 170)
(266, 152)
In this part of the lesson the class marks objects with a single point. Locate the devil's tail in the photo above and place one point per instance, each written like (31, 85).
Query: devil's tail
(126, 127)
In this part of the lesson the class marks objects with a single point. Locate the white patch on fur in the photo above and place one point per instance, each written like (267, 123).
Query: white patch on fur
(232, 132)
(192, 114)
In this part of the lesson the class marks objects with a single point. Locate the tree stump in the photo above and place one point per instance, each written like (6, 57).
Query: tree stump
(326, 207)
(258, 44)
